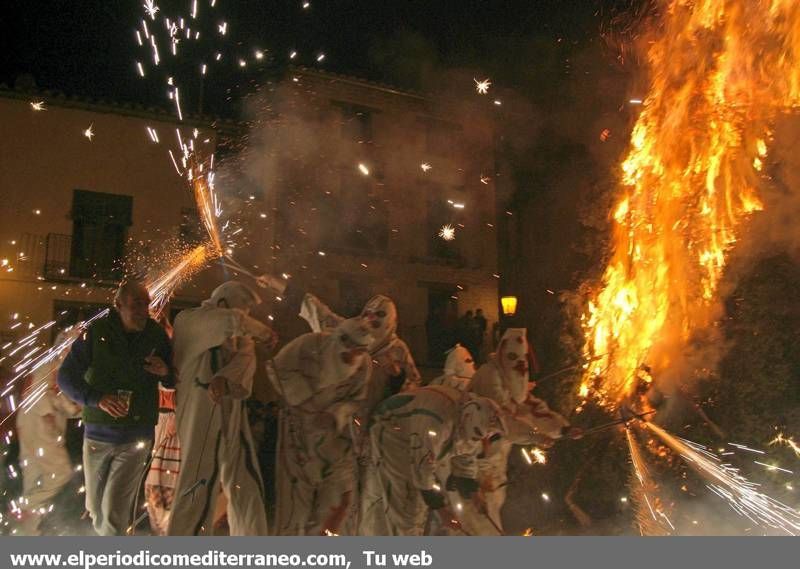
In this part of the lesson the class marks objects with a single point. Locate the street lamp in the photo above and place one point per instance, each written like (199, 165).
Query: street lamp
(509, 304)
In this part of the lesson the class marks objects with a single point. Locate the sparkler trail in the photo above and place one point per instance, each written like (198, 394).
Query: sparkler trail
(48, 361)
(726, 482)
(49, 357)
(207, 205)
(162, 287)
(650, 515)
(772, 467)
(198, 173)
(30, 352)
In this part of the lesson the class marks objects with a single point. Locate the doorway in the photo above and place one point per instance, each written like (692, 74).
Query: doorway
(440, 324)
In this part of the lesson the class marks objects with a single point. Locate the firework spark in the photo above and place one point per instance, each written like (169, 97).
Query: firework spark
(783, 440)
(726, 482)
(29, 363)
(534, 455)
(650, 515)
(156, 56)
(538, 455)
(482, 87)
(153, 134)
(207, 204)
(151, 8)
(178, 104)
(363, 168)
(89, 132)
(773, 467)
(425, 166)
(447, 232)
(747, 448)
(38, 106)
(162, 286)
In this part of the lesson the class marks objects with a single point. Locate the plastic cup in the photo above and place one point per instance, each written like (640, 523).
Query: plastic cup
(125, 396)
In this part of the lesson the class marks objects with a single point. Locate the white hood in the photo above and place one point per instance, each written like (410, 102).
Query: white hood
(459, 362)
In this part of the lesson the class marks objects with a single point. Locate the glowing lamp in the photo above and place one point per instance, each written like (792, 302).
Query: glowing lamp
(509, 304)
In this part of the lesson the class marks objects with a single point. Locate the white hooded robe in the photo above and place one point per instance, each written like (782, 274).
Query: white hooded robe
(316, 463)
(216, 445)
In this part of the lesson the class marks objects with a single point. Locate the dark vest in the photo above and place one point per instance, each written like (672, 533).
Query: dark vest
(119, 364)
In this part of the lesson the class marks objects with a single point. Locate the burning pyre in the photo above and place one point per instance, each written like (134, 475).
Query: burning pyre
(721, 73)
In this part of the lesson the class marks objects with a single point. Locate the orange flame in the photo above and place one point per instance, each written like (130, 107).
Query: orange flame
(721, 72)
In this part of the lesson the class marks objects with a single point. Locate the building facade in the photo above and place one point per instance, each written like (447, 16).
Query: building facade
(88, 193)
(341, 183)
(359, 179)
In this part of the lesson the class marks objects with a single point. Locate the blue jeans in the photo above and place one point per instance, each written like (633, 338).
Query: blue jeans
(112, 475)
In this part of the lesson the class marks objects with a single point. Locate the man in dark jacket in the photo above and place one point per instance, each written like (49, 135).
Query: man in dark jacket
(480, 324)
(113, 370)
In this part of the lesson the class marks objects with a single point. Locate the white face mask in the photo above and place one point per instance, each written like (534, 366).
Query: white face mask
(380, 318)
(459, 362)
(345, 350)
(512, 357)
(479, 420)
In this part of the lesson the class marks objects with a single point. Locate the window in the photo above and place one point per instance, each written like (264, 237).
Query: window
(99, 226)
(361, 220)
(356, 121)
(441, 322)
(190, 231)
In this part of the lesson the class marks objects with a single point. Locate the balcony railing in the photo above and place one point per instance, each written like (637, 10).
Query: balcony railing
(58, 248)
(60, 266)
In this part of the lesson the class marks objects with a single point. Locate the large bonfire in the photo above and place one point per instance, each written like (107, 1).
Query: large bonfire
(721, 73)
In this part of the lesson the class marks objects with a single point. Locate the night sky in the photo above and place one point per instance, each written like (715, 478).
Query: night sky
(88, 47)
